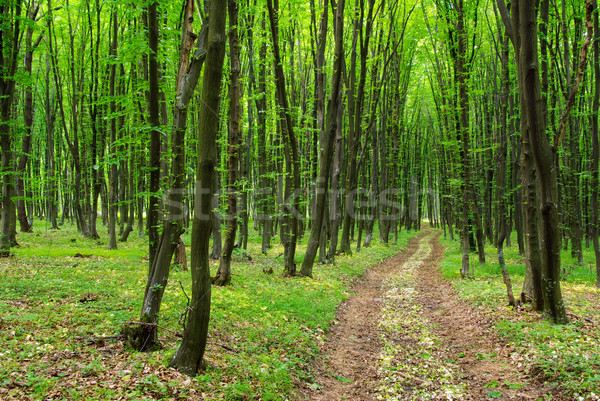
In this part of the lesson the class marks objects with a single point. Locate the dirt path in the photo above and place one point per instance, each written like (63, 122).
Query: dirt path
(405, 335)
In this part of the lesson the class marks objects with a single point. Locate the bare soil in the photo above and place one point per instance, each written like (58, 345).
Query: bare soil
(349, 369)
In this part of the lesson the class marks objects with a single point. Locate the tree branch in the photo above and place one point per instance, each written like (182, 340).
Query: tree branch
(506, 19)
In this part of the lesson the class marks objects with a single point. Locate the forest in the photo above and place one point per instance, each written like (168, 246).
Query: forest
(309, 159)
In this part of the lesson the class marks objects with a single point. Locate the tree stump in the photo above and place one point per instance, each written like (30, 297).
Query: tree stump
(180, 257)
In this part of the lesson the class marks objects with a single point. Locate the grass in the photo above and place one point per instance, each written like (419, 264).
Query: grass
(59, 313)
(566, 357)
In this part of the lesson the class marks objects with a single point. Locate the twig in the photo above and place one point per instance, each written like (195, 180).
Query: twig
(184, 314)
(224, 346)
(184, 293)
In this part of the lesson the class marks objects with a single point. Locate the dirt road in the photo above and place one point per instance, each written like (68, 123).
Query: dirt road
(405, 335)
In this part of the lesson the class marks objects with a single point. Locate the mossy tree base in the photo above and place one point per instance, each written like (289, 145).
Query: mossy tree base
(141, 336)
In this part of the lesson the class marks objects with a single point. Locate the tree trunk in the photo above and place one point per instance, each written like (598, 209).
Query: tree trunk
(355, 108)
(335, 197)
(525, 41)
(188, 357)
(152, 219)
(112, 177)
(264, 195)
(292, 199)
(327, 138)
(28, 120)
(9, 52)
(215, 218)
(145, 336)
(461, 77)
(180, 258)
(223, 276)
(50, 114)
(596, 146)
(501, 156)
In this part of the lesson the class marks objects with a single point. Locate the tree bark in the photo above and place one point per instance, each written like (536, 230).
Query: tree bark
(525, 42)
(50, 114)
(145, 336)
(292, 185)
(9, 52)
(152, 219)
(112, 177)
(188, 358)
(501, 156)
(180, 258)
(223, 276)
(28, 120)
(335, 197)
(265, 193)
(216, 219)
(355, 107)
(327, 138)
(595, 146)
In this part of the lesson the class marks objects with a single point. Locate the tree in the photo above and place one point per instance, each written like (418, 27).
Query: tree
(501, 156)
(112, 181)
(10, 36)
(355, 107)
(30, 46)
(155, 141)
(188, 358)
(223, 276)
(292, 160)
(327, 137)
(145, 336)
(596, 146)
(524, 37)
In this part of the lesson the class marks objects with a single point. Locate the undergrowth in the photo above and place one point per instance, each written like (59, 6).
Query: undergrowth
(63, 299)
(566, 357)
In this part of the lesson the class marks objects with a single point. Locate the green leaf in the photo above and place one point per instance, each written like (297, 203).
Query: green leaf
(341, 378)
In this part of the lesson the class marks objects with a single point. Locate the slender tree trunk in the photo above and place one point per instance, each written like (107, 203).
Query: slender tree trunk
(145, 336)
(335, 197)
(223, 276)
(112, 180)
(28, 120)
(50, 114)
(9, 52)
(155, 141)
(215, 218)
(292, 201)
(355, 108)
(188, 358)
(501, 156)
(596, 146)
(463, 133)
(265, 193)
(328, 136)
(97, 150)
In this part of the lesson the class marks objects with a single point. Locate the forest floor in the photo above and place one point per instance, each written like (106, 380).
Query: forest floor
(405, 334)
(391, 322)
